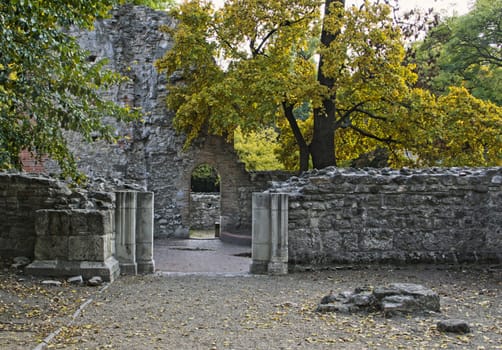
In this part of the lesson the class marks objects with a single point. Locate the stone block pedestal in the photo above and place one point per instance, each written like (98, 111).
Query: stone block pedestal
(74, 242)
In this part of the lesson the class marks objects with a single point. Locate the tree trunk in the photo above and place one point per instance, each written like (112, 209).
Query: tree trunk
(322, 147)
(300, 140)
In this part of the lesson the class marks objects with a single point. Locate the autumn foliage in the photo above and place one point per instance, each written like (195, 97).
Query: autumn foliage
(254, 64)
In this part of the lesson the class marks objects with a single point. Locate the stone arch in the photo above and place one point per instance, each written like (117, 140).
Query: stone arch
(219, 154)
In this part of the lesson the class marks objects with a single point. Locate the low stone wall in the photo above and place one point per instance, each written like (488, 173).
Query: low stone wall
(204, 210)
(20, 197)
(362, 216)
(258, 181)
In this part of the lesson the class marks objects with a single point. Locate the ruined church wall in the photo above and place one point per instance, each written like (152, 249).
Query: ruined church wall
(204, 210)
(150, 153)
(429, 215)
(23, 197)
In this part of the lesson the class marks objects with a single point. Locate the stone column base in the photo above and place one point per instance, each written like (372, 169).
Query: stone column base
(129, 268)
(146, 266)
(108, 270)
(258, 267)
(277, 268)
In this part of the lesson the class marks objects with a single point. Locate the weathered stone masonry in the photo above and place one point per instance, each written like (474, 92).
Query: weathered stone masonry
(20, 197)
(428, 215)
(151, 152)
(204, 210)
(69, 232)
(335, 215)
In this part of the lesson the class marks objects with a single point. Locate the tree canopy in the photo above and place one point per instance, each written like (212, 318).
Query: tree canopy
(47, 82)
(254, 64)
(258, 149)
(465, 50)
(155, 4)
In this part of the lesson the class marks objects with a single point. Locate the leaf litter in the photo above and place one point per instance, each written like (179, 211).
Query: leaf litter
(259, 312)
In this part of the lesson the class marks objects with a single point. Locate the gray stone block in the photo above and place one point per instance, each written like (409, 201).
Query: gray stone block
(454, 326)
(92, 248)
(51, 247)
(423, 298)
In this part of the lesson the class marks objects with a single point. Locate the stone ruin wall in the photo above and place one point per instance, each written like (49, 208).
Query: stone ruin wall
(335, 215)
(150, 153)
(25, 199)
(204, 210)
(363, 216)
(20, 197)
(69, 231)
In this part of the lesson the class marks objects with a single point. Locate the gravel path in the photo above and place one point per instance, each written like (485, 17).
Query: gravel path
(201, 255)
(262, 312)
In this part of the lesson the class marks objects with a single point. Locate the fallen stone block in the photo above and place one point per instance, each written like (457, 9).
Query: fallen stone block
(454, 326)
(95, 281)
(51, 283)
(20, 262)
(75, 280)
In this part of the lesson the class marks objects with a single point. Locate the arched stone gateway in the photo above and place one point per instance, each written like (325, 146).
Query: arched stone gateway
(220, 155)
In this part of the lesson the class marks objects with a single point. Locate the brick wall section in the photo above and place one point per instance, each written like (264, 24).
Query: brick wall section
(430, 215)
(20, 197)
(31, 164)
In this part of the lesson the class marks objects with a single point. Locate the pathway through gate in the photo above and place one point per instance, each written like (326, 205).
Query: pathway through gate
(201, 255)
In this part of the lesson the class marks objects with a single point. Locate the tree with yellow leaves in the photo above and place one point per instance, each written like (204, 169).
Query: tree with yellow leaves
(251, 64)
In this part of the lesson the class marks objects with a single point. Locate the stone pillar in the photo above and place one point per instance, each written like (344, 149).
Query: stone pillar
(217, 229)
(278, 264)
(125, 231)
(269, 233)
(260, 246)
(144, 232)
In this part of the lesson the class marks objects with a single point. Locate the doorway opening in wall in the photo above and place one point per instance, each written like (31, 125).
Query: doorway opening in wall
(205, 202)
(203, 251)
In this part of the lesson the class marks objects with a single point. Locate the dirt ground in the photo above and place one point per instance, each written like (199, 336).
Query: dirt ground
(164, 311)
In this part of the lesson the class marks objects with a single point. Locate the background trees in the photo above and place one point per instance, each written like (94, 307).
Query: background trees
(252, 64)
(47, 83)
(465, 50)
(335, 86)
(258, 149)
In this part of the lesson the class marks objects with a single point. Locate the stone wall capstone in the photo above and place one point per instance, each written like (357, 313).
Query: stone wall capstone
(382, 215)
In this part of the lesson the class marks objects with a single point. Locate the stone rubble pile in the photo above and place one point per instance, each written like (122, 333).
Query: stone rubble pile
(98, 193)
(397, 298)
